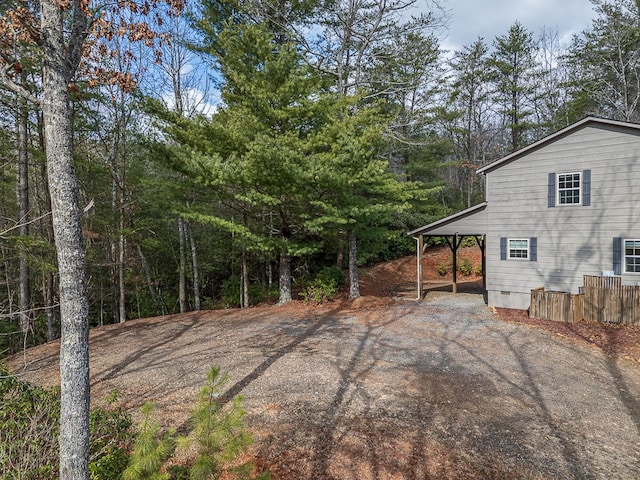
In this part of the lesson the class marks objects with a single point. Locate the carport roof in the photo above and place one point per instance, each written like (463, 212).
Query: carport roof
(469, 222)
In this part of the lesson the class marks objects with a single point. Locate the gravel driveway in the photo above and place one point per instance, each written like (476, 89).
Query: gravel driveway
(416, 390)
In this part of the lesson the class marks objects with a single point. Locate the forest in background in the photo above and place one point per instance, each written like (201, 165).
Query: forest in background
(272, 141)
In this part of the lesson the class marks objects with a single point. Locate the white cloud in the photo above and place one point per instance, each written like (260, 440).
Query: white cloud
(194, 101)
(488, 19)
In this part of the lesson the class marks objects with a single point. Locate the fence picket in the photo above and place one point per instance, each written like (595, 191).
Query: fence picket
(557, 306)
(604, 300)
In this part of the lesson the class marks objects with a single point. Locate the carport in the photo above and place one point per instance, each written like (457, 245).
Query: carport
(471, 222)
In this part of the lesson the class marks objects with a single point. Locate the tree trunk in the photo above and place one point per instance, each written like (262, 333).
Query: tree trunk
(49, 284)
(245, 280)
(48, 289)
(113, 284)
(122, 245)
(113, 251)
(147, 276)
(7, 281)
(23, 206)
(116, 250)
(340, 255)
(182, 287)
(196, 269)
(58, 66)
(122, 213)
(122, 248)
(285, 279)
(354, 285)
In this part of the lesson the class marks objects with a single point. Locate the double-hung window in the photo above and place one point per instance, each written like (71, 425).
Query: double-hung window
(569, 185)
(519, 248)
(632, 256)
(569, 188)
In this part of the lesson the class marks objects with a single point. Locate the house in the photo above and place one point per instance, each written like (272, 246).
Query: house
(563, 207)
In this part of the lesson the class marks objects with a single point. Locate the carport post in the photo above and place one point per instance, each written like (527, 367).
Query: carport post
(482, 241)
(454, 288)
(453, 245)
(419, 253)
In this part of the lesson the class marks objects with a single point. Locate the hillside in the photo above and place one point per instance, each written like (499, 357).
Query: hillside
(374, 388)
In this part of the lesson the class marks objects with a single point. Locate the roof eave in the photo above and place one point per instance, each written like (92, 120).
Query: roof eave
(449, 219)
(549, 138)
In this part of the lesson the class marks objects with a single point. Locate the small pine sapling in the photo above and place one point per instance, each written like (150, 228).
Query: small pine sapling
(151, 450)
(220, 434)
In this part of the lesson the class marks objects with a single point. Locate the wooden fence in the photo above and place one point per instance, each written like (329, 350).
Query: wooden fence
(558, 306)
(604, 299)
(607, 300)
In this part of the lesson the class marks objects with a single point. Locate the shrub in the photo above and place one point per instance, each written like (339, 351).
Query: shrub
(442, 268)
(111, 430)
(29, 420)
(465, 267)
(219, 436)
(325, 286)
(28, 429)
(10, 337)
(230, 292)
(318, 292)
(478, 269)
(468, 242)
(332, 274)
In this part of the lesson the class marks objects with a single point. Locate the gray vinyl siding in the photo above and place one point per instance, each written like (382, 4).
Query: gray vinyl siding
(473, 224)
(572, 240)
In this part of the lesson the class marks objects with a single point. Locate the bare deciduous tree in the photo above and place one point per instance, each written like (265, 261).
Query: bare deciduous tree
(60, 30)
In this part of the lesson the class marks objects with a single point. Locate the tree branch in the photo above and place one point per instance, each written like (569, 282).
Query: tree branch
(15, 227)
(16, 88)
(79, 33)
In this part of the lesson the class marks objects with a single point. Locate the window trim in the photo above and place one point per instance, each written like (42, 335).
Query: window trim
(625, 256)
(579, 188)
(509, 249)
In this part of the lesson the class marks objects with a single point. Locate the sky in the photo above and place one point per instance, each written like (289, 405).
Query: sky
(490, 18)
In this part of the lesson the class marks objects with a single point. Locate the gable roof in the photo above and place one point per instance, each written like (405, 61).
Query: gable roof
(473, 221)
(469, 222)
(560, 133)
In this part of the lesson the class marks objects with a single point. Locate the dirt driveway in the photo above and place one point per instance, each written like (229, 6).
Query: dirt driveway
(413, 390)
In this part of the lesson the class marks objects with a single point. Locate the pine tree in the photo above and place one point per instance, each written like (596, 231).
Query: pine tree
(513, 67)
(219, 433)
(605, 63)
(471, 126)
(152, 448)
(256, 152)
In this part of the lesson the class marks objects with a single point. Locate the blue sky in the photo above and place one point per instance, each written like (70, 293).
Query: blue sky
(489, 18)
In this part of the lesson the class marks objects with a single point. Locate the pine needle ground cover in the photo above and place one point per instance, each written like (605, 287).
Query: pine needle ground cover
(443, 388)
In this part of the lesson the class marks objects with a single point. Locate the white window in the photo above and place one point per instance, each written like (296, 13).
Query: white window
(632, 256)
(519, 248)
(569, 186)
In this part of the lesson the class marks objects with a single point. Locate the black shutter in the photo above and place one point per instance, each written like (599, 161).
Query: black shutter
(586, 188)
(617, 256)
(533, 249)
(551, 194)
(503, 248)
